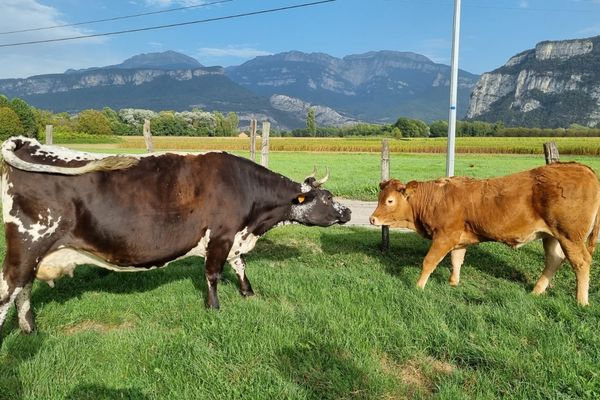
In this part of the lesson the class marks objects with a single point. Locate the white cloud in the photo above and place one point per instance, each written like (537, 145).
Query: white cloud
(232, 51)
(26, 60)
(524, 3)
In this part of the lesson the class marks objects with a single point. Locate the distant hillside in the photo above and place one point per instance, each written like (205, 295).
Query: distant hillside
(376, 86)
(169, 60)
(554, 85)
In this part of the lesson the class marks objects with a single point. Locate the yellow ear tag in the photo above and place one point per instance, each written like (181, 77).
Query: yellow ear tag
(300, 199)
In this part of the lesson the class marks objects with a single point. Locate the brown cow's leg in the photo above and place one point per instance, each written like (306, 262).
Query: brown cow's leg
(554, 257)
(215, 260)
(458, 257)
(580, 260)
(239, 265)
(438, 250)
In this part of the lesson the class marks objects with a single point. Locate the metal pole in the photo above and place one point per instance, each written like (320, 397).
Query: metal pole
(453, 90)
(385, 175)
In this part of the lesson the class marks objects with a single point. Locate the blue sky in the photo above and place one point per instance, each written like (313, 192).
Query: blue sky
(491, 32)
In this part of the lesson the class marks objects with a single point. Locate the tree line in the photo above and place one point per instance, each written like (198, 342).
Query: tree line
(19, 118)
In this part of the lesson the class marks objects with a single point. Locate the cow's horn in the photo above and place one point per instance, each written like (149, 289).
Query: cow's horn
(313, 173)
(322, 181)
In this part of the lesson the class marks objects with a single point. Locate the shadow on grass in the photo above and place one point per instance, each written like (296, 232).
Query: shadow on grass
(15, 351)
(324, 371)
(98, 392)
(90, 278)
(407, 250)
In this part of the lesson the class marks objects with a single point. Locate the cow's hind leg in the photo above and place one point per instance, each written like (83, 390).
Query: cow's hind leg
(458, 257)
(8, 293)
(580, 259)
(553, 257)
(215, 260)
(23, 303)
(239, 265)
(438, 250)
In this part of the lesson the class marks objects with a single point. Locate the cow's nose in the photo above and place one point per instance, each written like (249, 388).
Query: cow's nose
(373, 220)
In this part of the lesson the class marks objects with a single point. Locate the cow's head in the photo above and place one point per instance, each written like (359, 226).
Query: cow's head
(393, 208)
(315, 206)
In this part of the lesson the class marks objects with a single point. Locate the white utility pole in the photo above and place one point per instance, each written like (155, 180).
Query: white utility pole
(453, 91)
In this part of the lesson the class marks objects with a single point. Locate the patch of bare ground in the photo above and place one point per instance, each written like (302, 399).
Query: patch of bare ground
(417, 375)
(95, 326)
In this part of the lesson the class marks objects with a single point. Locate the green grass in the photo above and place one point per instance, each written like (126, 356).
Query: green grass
(333, 318)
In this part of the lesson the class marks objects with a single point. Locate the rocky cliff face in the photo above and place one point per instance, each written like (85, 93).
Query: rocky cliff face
(324, 116)
(554, 85)
(57, 83)
(375, 86)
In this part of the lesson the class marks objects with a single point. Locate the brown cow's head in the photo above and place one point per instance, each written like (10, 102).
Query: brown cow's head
(315, 206)
(393, 208)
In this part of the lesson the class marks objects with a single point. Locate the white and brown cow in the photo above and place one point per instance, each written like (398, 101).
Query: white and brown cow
(557, 203)
(126, 213)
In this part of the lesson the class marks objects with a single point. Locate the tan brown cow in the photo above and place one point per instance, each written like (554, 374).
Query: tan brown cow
(557, 203)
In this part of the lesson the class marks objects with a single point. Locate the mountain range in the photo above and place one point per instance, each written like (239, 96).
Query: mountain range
(374, 87)
(553, 85)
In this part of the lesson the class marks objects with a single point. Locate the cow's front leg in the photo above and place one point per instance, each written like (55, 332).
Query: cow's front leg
(458, 257)
(215, 260)
(239, 266)
(438, 250)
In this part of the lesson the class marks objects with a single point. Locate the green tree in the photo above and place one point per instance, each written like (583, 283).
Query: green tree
(26, 116)
(93, 122)
(233, 122)
(4, 101)
(439, 128)
(311, 123)
(10, 124)
(411, 127)
(168, 124)
(396, 133)
(117, 126)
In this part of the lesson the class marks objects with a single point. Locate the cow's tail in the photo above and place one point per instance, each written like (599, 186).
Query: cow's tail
(592, 239)
(109, 163)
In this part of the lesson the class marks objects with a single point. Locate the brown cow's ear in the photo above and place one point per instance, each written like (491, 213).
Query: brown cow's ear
(410, 188)
(397, 185)
(394, 184)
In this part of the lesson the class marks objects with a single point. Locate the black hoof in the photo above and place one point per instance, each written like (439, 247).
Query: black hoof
(247, 293)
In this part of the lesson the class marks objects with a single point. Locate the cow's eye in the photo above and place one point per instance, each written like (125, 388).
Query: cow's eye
(390, 201)
(329, 198)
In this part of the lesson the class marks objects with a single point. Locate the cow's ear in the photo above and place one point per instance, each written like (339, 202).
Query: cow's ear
(397, 185)
(302, 198)
(393, 183)
(410, 188)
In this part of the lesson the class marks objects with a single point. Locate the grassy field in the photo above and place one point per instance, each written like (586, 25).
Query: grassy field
(507, 145)
(332, 319)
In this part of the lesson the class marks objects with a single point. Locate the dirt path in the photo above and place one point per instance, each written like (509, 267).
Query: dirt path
(361, 211)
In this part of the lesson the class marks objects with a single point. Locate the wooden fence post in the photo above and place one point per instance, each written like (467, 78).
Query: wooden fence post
(264, 156)
(385, 175)
(551, 152)
(253, 139)
(148, 136)
(49, 129)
